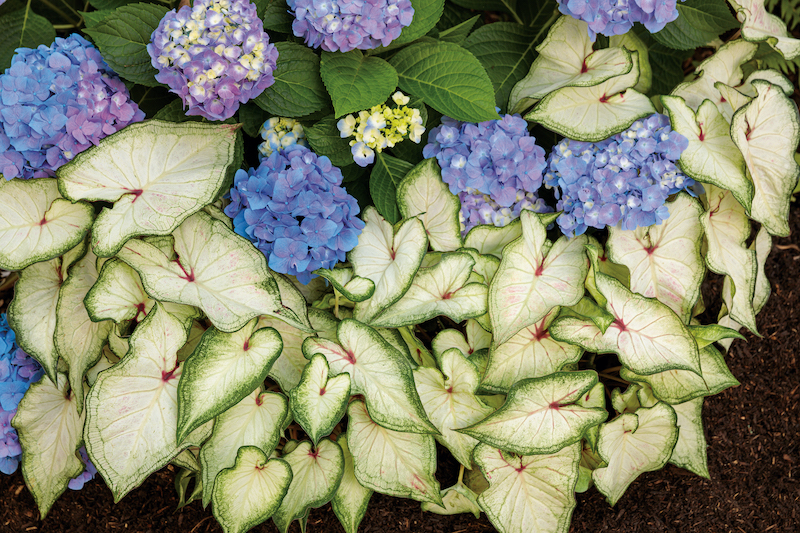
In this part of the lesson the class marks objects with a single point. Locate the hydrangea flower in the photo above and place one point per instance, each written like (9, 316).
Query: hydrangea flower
(280, 133)
(381, 127)
(626, 178)
(616, 17)
(215, 55)
(55, 102)
(293, 208)
(344, 25)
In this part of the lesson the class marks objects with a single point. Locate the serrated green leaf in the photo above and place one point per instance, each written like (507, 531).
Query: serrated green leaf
(699, 22)
(426, 15)
(356, 81)
(325, 139)
(319, 401)
(275, 14)
(386, 175)
(93, 18)
(175, 112)
(351, 498)
(298, 89)
(456, 34)
(23, 28)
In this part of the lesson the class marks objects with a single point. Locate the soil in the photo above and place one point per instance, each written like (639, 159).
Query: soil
(753, 457)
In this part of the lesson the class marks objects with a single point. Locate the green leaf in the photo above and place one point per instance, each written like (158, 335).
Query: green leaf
(699, 22)
(325, 139)
(319, 402)
(356, 81)
(275, 14)
(298, 89)
(386, 175)
(690, 450)
(426, 15)
(351, 498)
(458, 499)
(352, 287)
(93, 18)
(666, 63)
(456, 34)
(111, 4)
(23, 29)
(175, 112)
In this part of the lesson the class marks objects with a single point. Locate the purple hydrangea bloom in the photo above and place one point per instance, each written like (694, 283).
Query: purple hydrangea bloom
(344, 25)
(293, 208)
(624, 179)
(55, 102)
(215, 55)
(616, 17)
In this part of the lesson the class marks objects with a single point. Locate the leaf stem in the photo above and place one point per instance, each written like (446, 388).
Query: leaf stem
(460, 475)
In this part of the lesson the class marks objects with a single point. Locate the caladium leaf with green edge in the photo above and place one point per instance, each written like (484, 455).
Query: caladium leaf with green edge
(251, 491)
(628, 401)
(351, 498)
(760, 25)
(189, 461)
(414, 348)
(316, 474)
(596, 397)
(632, 444)
(770, 75)
(37, 224)
(532, 493)
(458, 499)
(587, 308)
(51, 431)
(711, 333)
(732, 100)
(541, 415)
(690, 450)
(187, 166)
(344, 280)
(485, 265)
(476, 339)
(294, 307)
(378, 371)
(490, 240)
(391, 462)
(319, 402)
(632, 42)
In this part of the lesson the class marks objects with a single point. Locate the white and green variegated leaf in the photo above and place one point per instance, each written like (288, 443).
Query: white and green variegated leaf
(294, 307)
(254, 421)
(477, 339)
(316, 474)
(450, 402)
(587, 308)
(628, 401)
(319, 402)
(711, 333)
(352, 287)
(541, 415)
(50, 431)
(216, 270)
(485, 265)
(378, 371)
(631, 41)
(351, 498)
(690, 450)
(458, 499)
(391, 462)
(488, 239)
(389, 258)
(37, 224)
(531, 493)
(770, 75)
(732, 100)
(760, 25)
(222, 370)
(117, 342)
(107, 360)
(414, 348)
(188, 460)
(184, 167)
(249, 492)
(767, 131)
(632, 444)
(595, 397)
(423, 193)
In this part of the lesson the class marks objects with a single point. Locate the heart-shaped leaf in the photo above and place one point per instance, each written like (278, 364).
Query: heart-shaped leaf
(344, 280)
(351, 498)
(319, 402)
(356, 81)
(490, 240)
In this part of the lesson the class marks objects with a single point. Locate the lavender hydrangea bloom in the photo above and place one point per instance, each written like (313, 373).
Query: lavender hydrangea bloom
(616, 17)
(344, 25)
(215, 55)
(625, 179)
(293, 208)
(55, 102)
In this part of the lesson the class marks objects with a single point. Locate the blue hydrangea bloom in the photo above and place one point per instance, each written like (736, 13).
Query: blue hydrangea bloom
(293, 208)
(344, 25)
(624, 179)
(55, 102)
(215, 55)
(616, 17)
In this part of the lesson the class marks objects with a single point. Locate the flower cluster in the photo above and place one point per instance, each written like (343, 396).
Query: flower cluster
(615, 17)
(381, 127)
(280, 133)
(626, 178)
(495, 168)
(293, 208)
(214, 55)
(344, 25)
(55, 102)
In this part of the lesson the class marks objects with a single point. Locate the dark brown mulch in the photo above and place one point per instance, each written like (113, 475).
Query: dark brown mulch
(753, 432)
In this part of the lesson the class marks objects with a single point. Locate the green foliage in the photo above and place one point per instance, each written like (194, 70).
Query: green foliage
(789, 11)
(22, 28)
(356, 81)
(386, 176)
(275, 15)
(298, 89)
(699, 22)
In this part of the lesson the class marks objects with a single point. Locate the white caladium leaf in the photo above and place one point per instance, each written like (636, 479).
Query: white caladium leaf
(107, 360)
(250, 492)
(117, 342)
(690, 450)
(294, 307)
(351, 498)
(378, 371)
(186, 165)
(318, 402)
(759, 25)
(767, 131)
(488, 239)
(770, 75)
(344, 280)
(216, 270)
(188, 460)
(316, 473)
(254, 421)
(485, 265)
(449, 400)
(597, 112)
(391, 462)
(587, 308)
(732, 100)
(664, 260)
(413, 347)
(631, 41)
(530, 281)
(117, 294)
(422, 192)
(632, 444)
(443, 289)
(389, 258)
(458, 499)
(595, 397)
(531, 493)
(50, 431)
(711, 156)
(37, 224)
(477, 339)
(222, 370)
(541, 415)
(628, 401)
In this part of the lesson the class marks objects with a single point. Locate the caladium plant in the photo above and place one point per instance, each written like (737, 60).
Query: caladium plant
(307, 331)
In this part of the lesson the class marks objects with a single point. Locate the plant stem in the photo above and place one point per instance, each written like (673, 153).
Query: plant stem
(460, 475)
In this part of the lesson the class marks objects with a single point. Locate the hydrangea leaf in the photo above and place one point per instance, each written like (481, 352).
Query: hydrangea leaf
(254, 421)
(248, 493)
(690, 450)
(458, 499)
(391, 462)
(632, 444)
(231, 292)
(422, 192)
(767, 131)
(530, 281)
(386, 175)
(22, 28)
(50, 432)
(540, 415)
(378, 371)
(356, 81)
(344, 280)
(389, 258)
(532, 493)
(298, 89)
(316, 474)
(426, 15)
(697, 24)
(351, 498)
(37, 224)
(759, 25)
(319, 402)
(490, 240)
